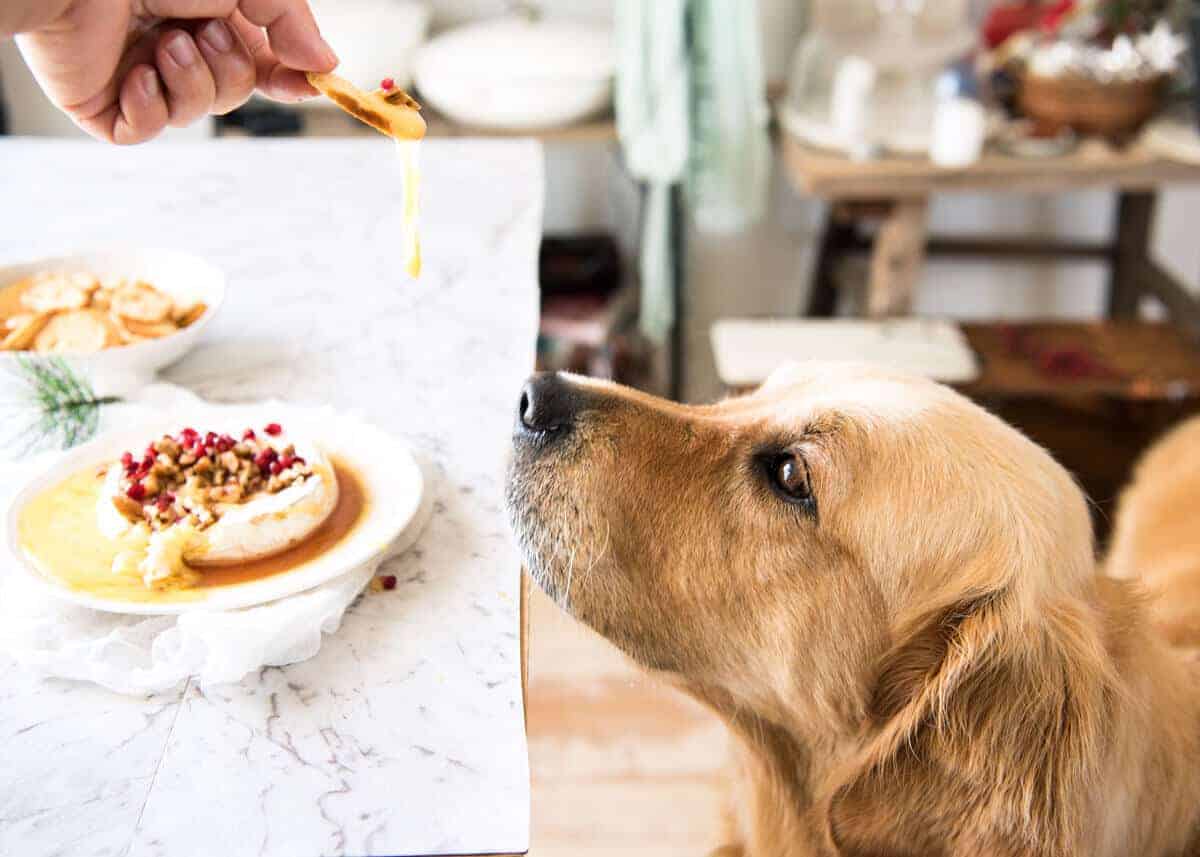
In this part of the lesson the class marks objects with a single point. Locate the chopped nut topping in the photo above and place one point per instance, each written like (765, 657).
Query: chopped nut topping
(190, 476)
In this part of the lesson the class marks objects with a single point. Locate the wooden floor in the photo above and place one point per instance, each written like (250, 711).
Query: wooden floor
(621, 765)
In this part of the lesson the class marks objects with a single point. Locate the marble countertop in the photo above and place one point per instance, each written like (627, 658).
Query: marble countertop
(405, 734)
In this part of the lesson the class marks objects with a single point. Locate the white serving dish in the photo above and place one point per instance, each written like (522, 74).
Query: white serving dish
(392, 480)
(515, 74)
(181, 275)
(374, 39)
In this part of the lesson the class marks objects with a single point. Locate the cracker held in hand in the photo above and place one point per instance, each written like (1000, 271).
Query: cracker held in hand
(389, 110)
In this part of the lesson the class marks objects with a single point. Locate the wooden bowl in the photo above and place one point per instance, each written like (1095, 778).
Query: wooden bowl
(1116, 110)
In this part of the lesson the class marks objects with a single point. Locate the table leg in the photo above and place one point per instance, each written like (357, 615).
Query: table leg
(1131, 251)
(838, 236)
(898, 258)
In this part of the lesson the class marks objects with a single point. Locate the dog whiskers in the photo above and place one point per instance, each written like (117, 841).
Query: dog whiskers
(597, 555)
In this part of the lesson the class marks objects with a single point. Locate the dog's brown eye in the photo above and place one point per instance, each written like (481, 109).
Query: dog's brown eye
(792, 477)
(788, 475)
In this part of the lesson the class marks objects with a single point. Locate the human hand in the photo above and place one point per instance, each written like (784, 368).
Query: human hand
(126, 69)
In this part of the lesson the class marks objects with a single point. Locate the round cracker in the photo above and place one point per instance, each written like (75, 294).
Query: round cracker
(52, 294)
(141, 302)
(83, 331)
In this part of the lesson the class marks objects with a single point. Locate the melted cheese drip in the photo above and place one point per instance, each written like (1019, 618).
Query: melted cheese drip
(410, 239)
(58, 531)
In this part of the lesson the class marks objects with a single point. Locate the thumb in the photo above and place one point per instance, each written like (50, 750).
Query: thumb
(292, 32)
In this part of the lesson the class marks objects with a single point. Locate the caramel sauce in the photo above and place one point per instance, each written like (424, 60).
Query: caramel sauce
(58, 532)
(341, 522)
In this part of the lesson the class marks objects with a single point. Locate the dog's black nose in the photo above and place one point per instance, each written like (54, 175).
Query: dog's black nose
(548, 404)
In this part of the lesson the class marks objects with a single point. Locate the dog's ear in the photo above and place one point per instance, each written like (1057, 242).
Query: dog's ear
(984, 734)
(880, 807)
(932, 652)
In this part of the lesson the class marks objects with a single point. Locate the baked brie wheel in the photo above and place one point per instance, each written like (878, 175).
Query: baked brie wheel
(193, 500)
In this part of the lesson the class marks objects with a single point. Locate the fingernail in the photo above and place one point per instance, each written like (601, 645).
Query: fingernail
(150, 83)
(181, 49)
(217, 36)
(331, 59)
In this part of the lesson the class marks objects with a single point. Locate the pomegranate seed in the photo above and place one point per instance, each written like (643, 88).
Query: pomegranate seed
(164, 502)
(249, 434)
(148, 460)
(127, 459)
(136, 491)
(276, 467)
(273, 429)
(150, 451)
(389, 581)
(388, 84)
(210, 438)
(189, 433)
(298, 460)
(287, 461)
(264, 458)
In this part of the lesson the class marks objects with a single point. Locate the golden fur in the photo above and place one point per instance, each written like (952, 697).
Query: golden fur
(927, 664)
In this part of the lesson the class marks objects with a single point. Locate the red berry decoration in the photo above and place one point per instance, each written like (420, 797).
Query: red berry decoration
(388, 581)
(273, 429)
(136, 491)
(388, 84)
(263, 459)
(249, 434)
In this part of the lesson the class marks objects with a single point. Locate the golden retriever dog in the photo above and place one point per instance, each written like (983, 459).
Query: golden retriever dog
(892, 599)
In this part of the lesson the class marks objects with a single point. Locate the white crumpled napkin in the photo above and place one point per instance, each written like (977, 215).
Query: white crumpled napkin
(138, 654)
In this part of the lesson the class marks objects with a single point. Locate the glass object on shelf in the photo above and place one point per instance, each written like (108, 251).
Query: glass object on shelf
(864, 76)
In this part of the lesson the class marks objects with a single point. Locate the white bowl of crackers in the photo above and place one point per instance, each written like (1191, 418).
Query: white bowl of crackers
(127, 313)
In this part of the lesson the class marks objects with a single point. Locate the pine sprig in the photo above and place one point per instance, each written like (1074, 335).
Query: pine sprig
(55, 406)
